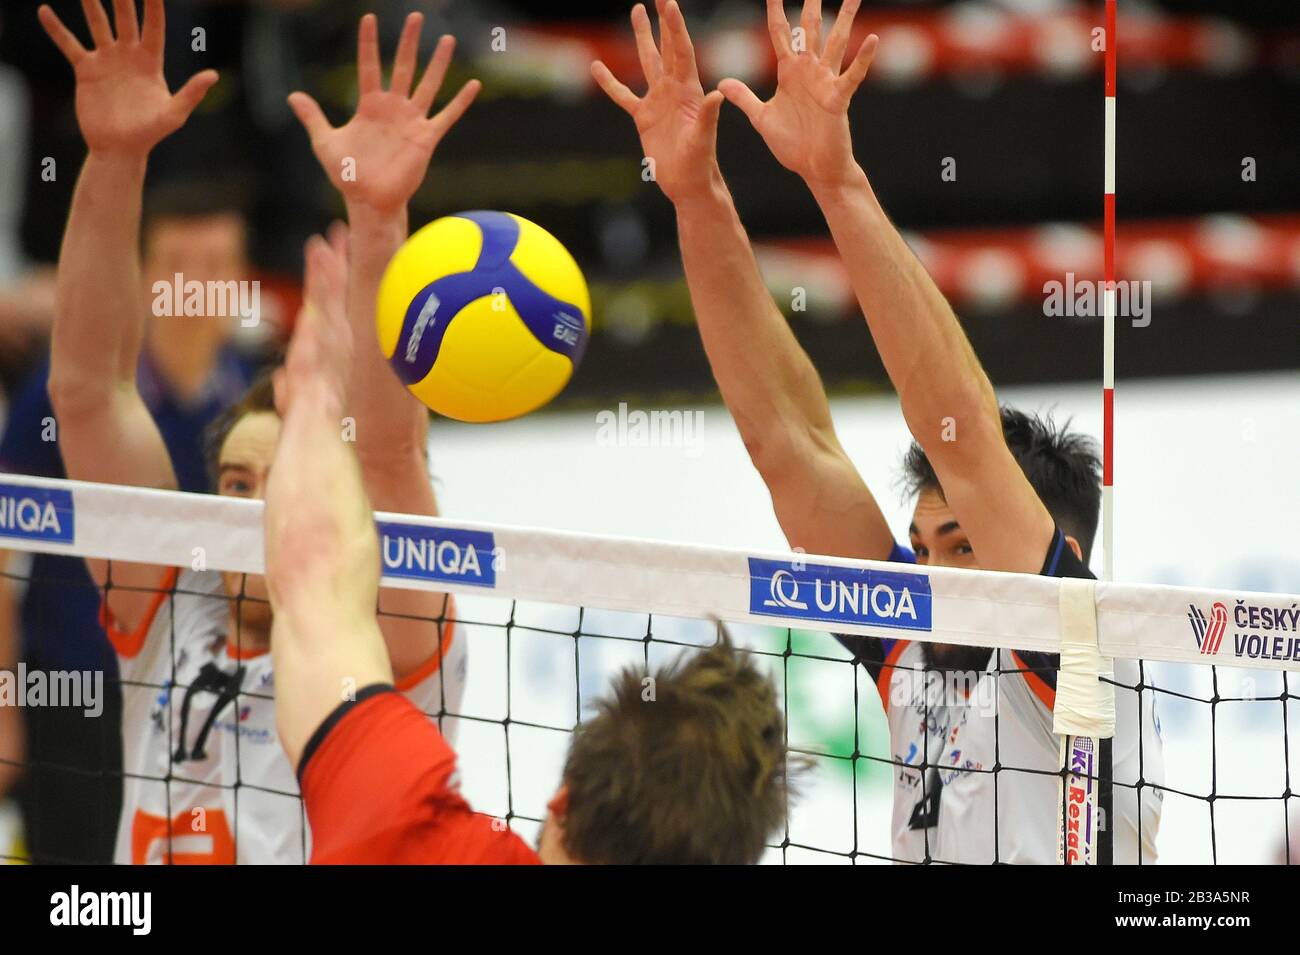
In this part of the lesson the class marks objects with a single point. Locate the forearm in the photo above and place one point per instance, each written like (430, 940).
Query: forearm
(391, 432)
(322, 569)
(765, 377)
(391, 424)
(97, 333)
(106, 433)
(920, 341)
(322, 551)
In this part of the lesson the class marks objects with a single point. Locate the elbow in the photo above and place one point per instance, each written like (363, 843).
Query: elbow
(76, 396)
(768, 447)
(786, 448)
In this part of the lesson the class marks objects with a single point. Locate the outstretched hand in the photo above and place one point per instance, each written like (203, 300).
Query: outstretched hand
(806, 123)
(123, 104)
(381, 155)
(677, 122)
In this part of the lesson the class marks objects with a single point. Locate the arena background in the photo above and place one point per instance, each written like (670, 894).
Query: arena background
(1208, 399)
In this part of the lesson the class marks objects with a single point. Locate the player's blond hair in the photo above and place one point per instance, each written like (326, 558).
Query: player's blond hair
(687, 767)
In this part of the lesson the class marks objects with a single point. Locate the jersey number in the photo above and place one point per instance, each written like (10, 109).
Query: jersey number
(211, 679)
(925, 814)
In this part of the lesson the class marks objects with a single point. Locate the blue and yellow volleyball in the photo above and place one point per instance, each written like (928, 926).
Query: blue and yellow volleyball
(483, 315)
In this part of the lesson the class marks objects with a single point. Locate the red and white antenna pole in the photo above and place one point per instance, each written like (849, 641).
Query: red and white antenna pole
(1108, 312)
(1084, 834)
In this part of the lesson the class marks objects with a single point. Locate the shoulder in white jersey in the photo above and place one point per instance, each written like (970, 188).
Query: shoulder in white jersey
(1011, 815)
(206, 780)
(949, 730)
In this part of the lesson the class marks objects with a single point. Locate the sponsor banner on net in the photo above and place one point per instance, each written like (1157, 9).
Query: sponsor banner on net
(1247, 630)
(36, 513)
(832, 594)
(443, 554)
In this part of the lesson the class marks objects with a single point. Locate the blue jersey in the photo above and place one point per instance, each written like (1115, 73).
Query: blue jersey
(60, 609)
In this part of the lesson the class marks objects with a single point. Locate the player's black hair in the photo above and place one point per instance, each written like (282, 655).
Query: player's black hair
(1063, 466)
(192, 199)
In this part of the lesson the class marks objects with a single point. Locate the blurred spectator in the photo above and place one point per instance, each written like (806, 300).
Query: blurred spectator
(26, 294)
(189, 372)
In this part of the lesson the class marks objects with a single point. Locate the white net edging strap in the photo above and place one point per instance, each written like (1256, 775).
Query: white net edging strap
(976, 608)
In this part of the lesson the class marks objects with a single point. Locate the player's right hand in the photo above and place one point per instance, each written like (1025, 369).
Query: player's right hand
(677, 122)
(123, 104)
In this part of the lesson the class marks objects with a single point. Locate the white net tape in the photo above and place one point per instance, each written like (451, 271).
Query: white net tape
(945, 605)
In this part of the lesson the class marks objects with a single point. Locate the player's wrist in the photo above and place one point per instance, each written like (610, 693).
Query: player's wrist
(705, 192)
(848, 183)
(129, 158)
(368, 222)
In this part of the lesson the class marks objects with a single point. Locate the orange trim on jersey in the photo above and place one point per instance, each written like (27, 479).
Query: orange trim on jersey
(129, 644)
(1036, 683)
(887, 668)
(197, 823)
(430, 666)
(247, 653)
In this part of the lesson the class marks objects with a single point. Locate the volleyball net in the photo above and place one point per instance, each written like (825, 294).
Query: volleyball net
(1194, 682)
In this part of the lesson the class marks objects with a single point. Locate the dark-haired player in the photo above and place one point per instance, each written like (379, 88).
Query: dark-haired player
(987, 506)
(205, 777)
(695, 775)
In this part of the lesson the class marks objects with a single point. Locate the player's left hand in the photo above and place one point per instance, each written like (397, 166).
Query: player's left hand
(806, 124)
(380, 156)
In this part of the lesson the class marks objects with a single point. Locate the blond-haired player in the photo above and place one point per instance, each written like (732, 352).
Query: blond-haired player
(205, 777)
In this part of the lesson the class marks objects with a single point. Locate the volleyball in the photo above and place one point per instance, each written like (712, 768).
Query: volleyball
(483, 315)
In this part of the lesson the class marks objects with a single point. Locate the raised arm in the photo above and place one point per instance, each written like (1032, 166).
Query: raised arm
(124, 109)
(322, 550)
(377, 161)
(766, 379)
(942, 387)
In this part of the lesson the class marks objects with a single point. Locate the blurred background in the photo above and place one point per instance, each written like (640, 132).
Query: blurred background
(1008, 93)
(1003, 95)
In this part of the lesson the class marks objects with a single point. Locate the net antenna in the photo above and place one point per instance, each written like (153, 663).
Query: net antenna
(1084, 716)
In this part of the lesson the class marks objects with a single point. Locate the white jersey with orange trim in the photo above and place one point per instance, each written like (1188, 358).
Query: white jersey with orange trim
(206, 780)
(946, 737)
(1011, 815)
(926, 735)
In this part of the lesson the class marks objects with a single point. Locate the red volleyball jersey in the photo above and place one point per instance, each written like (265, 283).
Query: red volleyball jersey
(379, 784)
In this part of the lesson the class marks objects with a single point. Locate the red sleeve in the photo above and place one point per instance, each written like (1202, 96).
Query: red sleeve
(377, 785)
